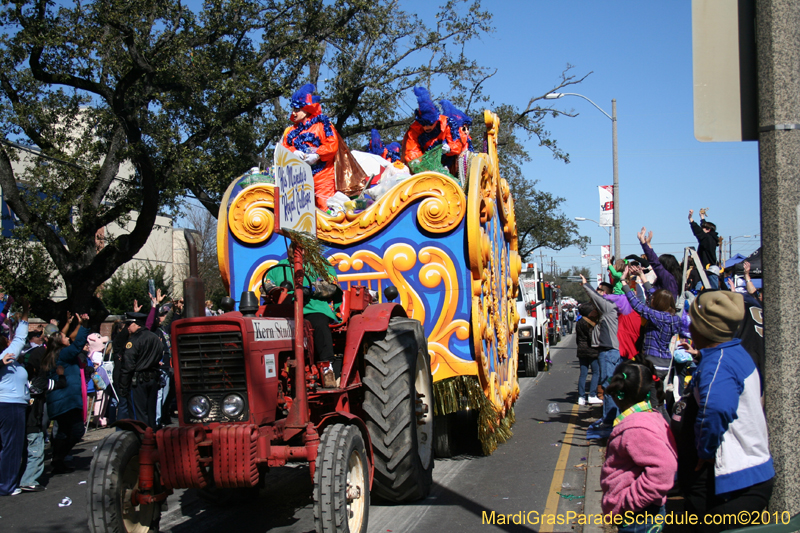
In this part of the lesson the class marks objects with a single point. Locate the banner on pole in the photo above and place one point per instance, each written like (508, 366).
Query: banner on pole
(295, 197)
(605, 252)
(606, 205)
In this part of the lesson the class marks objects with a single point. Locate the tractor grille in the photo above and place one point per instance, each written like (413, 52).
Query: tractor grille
(212, 364)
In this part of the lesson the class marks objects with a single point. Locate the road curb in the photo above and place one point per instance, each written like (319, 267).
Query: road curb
(594, 494)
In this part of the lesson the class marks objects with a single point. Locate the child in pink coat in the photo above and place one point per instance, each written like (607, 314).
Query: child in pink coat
(641, 456)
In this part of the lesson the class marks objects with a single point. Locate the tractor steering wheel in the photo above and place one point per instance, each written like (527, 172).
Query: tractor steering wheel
(289, 277)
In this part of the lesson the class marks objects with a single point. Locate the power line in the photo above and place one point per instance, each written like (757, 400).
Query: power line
(39, 153)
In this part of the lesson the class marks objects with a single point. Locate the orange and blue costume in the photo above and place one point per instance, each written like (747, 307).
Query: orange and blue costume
(315, 139)
(418, 141)
(390, 152)
(459, 123)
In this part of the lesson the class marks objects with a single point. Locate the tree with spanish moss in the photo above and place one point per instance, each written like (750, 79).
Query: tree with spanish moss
(111, 112)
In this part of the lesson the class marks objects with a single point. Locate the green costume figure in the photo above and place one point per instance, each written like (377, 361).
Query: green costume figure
(316, 310)
(616, 277)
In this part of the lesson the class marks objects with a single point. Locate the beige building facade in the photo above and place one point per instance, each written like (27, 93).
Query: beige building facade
(166, 245)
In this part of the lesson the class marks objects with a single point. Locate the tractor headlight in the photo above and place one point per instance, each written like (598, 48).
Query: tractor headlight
(525, 333)
(199, 406)
(232, 405)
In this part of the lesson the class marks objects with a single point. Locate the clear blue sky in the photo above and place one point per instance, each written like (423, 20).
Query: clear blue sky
(640, 53)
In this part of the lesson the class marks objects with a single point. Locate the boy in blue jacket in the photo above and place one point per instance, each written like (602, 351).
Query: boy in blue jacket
(731, 468)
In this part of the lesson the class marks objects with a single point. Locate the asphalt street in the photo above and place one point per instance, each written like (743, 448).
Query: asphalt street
(523, 475)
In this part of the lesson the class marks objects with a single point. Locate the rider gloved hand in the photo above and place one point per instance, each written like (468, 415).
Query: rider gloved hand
(445, 148)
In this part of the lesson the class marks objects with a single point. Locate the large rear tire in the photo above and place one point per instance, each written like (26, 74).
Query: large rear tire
(398, 402)
(113, 477)
(341, 481)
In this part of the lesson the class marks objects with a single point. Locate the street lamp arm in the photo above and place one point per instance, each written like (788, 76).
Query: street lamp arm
(551, 96)
(581, 219)
(615, 172)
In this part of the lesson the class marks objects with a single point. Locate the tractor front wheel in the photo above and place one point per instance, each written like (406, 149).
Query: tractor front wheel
(341, 481)
(398, 402)
(113, 477)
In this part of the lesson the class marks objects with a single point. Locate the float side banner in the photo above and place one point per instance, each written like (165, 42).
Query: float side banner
(605, 252)
(606, 205)
(296, 207)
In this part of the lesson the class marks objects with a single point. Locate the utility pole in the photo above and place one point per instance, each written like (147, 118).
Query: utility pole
(541, 256)
(615, 160)
(778, 61)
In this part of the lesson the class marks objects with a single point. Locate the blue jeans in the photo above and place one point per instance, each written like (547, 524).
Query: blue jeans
(35, 465)
(163, 392)
(609, 360)
(124, 408)
(646, 517)
(111, 413)
(587, 363)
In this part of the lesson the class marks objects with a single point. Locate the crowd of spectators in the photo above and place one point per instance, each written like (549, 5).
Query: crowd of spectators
(682, 402)
(58, 380)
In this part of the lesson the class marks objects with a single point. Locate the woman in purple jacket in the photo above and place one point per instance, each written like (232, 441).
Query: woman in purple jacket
(668, 270)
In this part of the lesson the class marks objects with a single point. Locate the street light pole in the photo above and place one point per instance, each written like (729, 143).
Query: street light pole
(615, 161)
(581, 219)
(615, 192)
(730, 242)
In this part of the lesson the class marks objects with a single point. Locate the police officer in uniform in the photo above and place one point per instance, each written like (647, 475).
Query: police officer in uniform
(140, 368)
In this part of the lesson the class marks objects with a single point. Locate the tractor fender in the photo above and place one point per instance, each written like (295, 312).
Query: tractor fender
(374, 318)
(137, 426)
(350, 419)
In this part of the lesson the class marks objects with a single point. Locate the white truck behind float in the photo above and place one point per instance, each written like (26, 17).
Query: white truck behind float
(534, 344)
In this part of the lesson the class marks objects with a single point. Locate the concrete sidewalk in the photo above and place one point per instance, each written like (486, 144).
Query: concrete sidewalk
(576, 482)
(593, 494)
(595, 456)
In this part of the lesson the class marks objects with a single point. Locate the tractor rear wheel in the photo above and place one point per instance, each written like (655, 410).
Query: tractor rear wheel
(398, 402)
(113, 477)
(341, 481)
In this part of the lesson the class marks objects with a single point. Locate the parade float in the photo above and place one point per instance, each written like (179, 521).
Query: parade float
(448, 244)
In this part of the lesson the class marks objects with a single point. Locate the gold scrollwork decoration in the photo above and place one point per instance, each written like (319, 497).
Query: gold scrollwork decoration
(495, 266)
(255, 280)
(441, 210)
(438, 270)
(251, 217)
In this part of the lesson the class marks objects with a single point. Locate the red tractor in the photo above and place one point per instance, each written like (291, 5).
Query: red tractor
(251, 397)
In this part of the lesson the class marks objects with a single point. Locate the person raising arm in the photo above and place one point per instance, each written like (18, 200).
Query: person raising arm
(666, 267)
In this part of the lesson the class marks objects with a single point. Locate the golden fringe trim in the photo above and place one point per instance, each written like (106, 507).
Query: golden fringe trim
(462, 392)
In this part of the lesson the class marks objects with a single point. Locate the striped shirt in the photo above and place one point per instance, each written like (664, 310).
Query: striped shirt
(641, 407)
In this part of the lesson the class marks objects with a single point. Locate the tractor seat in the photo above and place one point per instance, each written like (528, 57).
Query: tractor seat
(354, 300)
